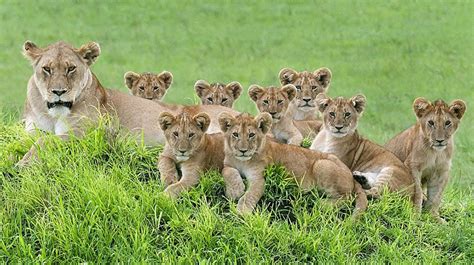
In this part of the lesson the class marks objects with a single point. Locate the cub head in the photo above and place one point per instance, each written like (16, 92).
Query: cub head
(217, 93)
(438, 120)
(308, 85)
(148, 85)
(61, 72)
(274, 100)
(340, 115)
(184, 133)
(244, 135)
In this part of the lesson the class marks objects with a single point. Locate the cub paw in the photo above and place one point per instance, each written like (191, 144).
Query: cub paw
(359, 177)
(372, 193)
(245, 207)
(171, 192)
(236, 191)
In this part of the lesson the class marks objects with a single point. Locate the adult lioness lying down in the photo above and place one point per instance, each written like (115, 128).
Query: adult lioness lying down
(63, 94)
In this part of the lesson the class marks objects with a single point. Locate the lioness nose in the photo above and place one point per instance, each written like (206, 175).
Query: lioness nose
(339, 127)
(59, 92)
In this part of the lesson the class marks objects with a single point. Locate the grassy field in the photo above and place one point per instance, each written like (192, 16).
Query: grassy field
(97, 200)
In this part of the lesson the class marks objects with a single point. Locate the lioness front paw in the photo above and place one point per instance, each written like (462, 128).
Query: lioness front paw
(236, 191)
(25, 161)
(244, 206)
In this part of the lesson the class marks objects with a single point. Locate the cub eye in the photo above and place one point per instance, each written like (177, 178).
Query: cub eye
(314, 87)
(71, 69)
(298, 87)
(332, 114)
(156, 88)
(431, 123)
(265, 102)
(47, 70)
(191, 135)
(224, 100)
(142, 88)
(347, 114)
(210, 100)
(251, 135)
(280, 102)
(447, 123)
(236, 135)
(175, 134)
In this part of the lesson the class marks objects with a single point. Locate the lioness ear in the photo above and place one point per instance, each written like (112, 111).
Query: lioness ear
(202, 121)
(89, 52)
(226, 120)
(165, 120)
(167, 78)
(421, 106)
(255, 91)
(358, 102)
(31, 51)
(130, 77)
(234, 88)
(458, 107)
(323, 101)
(287, 76)
(200, 86)
(323, 76)
(290, 91)
(264, 122)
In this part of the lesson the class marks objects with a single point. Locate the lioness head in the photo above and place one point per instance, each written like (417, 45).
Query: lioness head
(308, 85)
(245, 135)
(438, 120)
(148, 85)
(274, 100)
(61, 72)
(217, 93)
(340, 115)
(184, 132)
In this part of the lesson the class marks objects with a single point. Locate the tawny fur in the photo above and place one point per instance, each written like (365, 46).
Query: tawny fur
(427, 148)
(218, 93)
(248, 152)
(149, 86)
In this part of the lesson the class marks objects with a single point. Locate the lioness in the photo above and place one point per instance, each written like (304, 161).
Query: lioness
(188, 148)
(370, 162)
(275, 101)
(308, 86)
(217, 93)
(248, 152)
(427, 148)
(148, 85)
(63, 94)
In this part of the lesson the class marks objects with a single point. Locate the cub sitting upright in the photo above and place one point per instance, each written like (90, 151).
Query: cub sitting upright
(217, 93)
(373, 166)
(188, 148)
(427, 148)
(308, 86)
(276, 101)
(148, 85)
(248, 152)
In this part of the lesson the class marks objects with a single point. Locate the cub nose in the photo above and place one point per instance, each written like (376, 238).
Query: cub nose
(243, 150)
(272, 113)
(307, 100)
(59, 92)
(439, 141)
(339, 127)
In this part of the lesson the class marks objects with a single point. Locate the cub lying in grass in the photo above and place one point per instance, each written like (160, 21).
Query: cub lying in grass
(373, 166)
(276, 101)
(248, 152)
(148, 85)
(427, 148)
(217, 93)
(188, 148)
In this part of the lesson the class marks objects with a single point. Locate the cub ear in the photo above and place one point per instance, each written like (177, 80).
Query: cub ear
(226, 120)
(200, 87)
(31, 51)
(358, 102)
(264, 122)
(457, 108)
(130, 77)
(167, 78)
(202, 121)
(323, 76)
(234, 88)
(165, 120)
(323, 101)
(287, 76)
(89, 52)
(256, 91)
(290, 91)
(421, 106)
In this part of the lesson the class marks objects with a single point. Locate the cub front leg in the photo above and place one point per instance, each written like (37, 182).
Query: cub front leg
(254, 192)
(190, 178)
(296, 138)
(418, 197)
(435, 188)
(234, 185)
(168, 171)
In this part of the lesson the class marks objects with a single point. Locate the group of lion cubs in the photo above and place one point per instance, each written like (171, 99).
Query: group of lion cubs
(63, 91)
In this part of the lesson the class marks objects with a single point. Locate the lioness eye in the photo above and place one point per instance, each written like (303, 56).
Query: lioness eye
(155, 88)
(142, 88)
(175, 134)
(47, 70)
(71, 69)
(236, 135)
(447, 123)
(298, 87)
(347, 114)
(265, 102)
(210, 99)
(191, 135)
(280, 102)
(431, 123)
(224, 100)
(332, 114)
(251, 135)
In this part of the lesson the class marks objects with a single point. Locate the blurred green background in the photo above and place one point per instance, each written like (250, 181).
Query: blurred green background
(391, 51)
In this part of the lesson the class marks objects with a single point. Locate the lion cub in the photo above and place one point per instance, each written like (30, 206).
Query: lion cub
(217, 93)
(308, 86)
(275, 101)
(148, 85)
(373, 166)
(188, 148)
(248, 152)
(427, 148)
